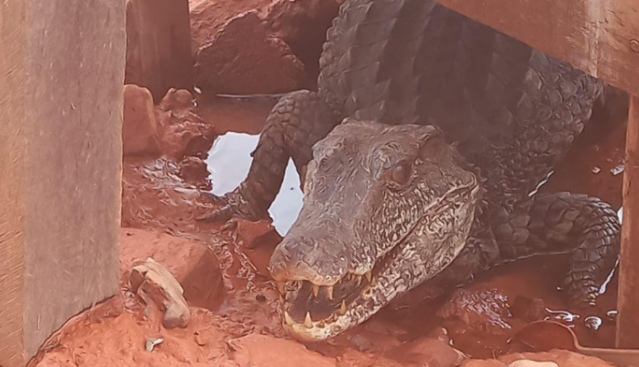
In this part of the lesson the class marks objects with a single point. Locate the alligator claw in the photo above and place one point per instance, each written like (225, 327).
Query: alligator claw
(222, 214)
(233, 205)
(213, 199)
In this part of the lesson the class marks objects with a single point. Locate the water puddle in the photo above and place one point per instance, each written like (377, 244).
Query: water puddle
(229, 161)
(620, 214)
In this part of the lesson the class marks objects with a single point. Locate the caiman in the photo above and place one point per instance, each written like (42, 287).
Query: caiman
(420, 155)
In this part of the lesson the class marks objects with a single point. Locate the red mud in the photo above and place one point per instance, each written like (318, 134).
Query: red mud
(232, 299)
(240, 326)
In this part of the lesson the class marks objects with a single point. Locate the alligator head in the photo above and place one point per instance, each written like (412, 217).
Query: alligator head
(385, 208)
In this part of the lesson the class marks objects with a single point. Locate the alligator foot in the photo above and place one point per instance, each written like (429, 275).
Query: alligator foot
(586, 227)
(233, 205)
(295, 124)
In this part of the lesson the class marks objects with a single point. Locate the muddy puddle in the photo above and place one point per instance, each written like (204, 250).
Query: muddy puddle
(229, 161)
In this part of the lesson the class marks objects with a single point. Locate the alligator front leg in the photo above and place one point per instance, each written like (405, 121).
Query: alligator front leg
(586, 227)
(295, 124)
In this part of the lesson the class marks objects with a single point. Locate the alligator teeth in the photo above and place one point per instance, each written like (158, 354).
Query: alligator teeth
(281, 287)
(308, 322)
(373, 281)
(329, 292)
(342, 309)
(288, 319)
(359, 280)
(369, 276)
(315, 289)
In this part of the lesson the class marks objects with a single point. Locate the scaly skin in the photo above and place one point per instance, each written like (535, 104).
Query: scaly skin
(511, 112)
(295, 124)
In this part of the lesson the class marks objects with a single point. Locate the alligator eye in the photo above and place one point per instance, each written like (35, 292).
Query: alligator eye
(400, 174)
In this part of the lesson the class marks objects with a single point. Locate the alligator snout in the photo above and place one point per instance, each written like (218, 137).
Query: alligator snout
(311, 271)
(320, 259)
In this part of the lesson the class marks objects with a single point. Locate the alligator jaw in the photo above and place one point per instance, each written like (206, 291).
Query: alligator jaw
(372, 291)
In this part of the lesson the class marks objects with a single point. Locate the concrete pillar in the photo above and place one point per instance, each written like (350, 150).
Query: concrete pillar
(61, 82)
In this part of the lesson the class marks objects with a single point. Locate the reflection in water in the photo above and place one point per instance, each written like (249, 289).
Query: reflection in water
(229, 162)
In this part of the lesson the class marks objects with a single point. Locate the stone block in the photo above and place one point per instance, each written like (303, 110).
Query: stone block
(140, 130)
(154, 284)
(192, 263)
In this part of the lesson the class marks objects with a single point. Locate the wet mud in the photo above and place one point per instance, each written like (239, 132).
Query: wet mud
(239, 324)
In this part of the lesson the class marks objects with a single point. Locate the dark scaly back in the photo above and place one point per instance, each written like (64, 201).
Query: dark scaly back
(514, 110)
(367, 67)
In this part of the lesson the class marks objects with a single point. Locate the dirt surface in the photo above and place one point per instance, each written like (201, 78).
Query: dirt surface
(222, 269)
(233, 302)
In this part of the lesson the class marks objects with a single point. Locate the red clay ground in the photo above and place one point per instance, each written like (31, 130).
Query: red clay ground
(234, 321)
(223, 272)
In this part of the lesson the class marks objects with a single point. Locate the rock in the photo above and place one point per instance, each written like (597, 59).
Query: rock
(244, 58)
(479, 310)
(253, 234)
(192, 263)
(301, 24)
(208, 18)
(152, 282)
(173, 128)
(179, 102)
(268, 351)
(184, 133)
(158, 45)
(139, 128)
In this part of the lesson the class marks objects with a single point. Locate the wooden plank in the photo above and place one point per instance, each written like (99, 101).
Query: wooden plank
(628, 295)
(600, 37)
(159, 53)
(62, 75)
